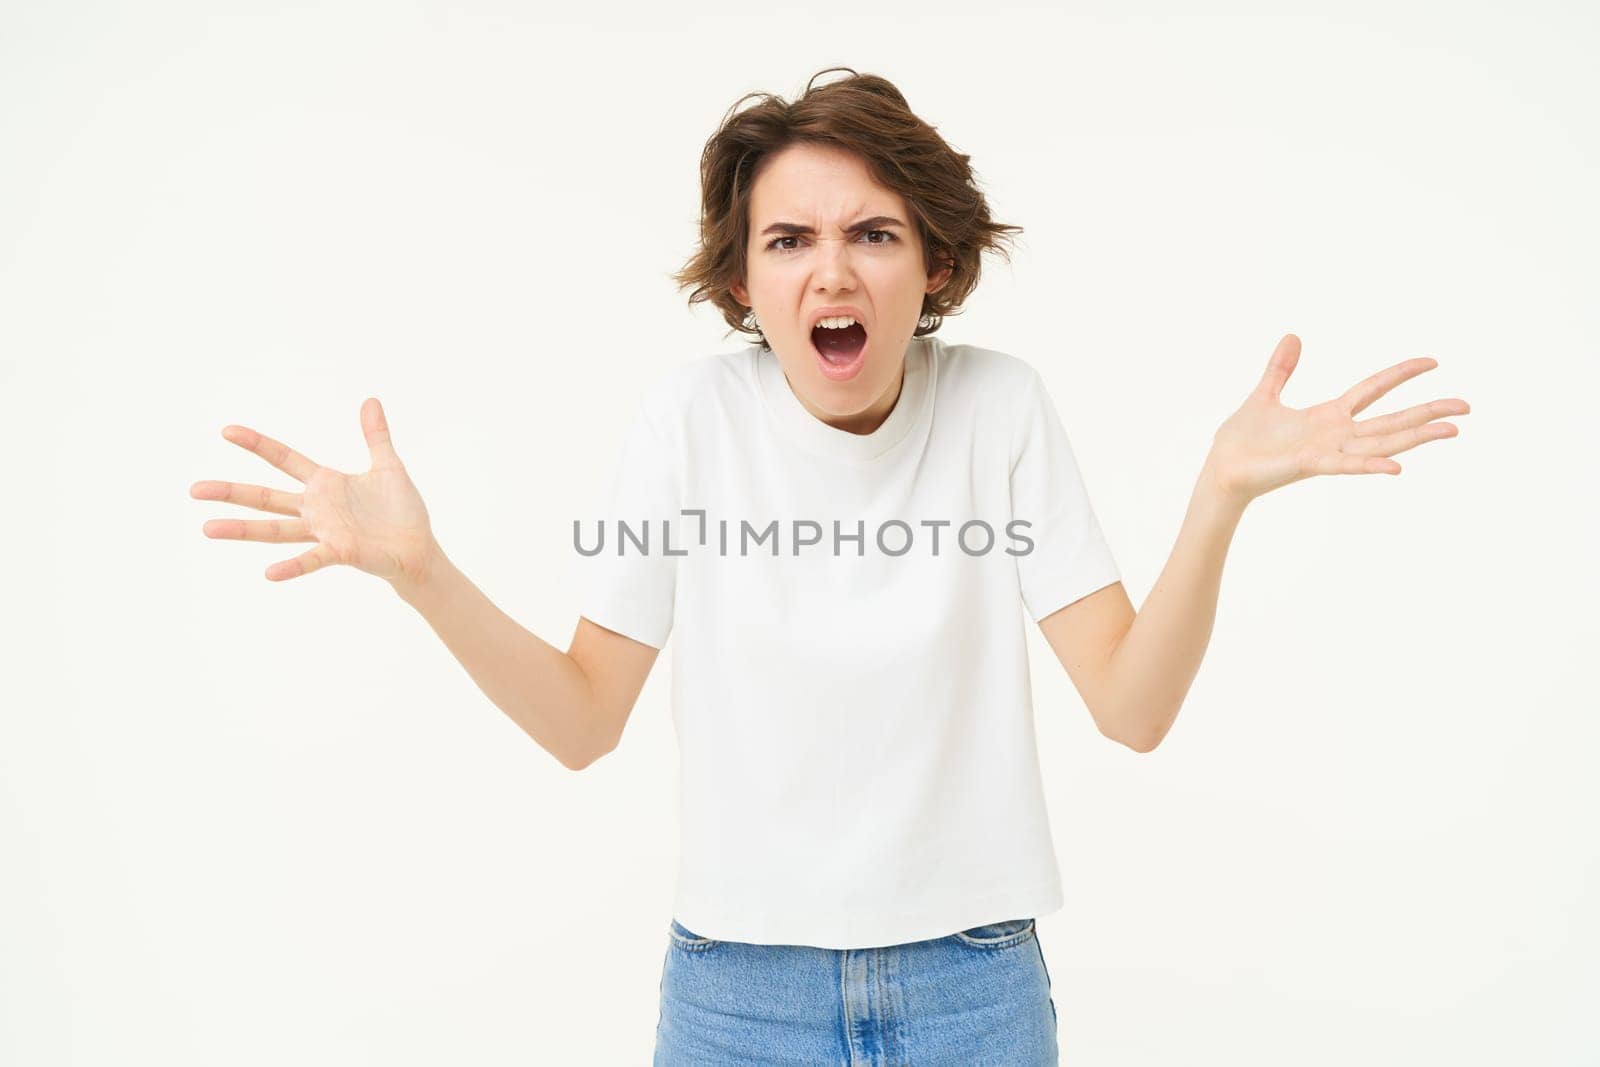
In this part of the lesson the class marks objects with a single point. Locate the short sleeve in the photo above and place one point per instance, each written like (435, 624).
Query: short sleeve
(1069, 558)
(628, 585)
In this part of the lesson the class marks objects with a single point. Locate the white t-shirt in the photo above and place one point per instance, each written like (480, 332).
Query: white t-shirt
(853, 713)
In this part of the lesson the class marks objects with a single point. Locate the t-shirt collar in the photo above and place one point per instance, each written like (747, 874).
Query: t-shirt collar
(811, 433)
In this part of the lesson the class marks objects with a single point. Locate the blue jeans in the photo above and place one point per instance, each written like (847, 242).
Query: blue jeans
(979, 996)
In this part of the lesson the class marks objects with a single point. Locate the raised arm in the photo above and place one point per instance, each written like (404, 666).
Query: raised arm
(1134, 670)
(572, 703)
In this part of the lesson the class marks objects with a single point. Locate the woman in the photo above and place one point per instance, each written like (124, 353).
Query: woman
(848, 513)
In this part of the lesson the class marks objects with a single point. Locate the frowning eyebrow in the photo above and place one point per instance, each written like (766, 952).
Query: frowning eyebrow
(876, 222)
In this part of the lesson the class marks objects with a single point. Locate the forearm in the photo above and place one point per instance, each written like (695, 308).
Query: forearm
(540, 687)
(1151, 668)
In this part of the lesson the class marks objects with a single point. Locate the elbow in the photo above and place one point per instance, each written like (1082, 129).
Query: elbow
(577, 762)
(1138, 742)
(1143, 745)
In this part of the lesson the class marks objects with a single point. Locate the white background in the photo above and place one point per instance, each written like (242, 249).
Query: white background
(249, 822)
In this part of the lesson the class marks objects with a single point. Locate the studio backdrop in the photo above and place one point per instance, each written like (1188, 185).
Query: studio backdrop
(248, 821)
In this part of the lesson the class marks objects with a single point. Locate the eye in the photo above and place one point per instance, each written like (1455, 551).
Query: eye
(888, 238)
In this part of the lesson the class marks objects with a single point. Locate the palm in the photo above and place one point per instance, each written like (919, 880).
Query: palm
(374, 521)
(1266, 444)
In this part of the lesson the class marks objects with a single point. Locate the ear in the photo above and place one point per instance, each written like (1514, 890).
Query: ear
(937, 279)
(740, 293)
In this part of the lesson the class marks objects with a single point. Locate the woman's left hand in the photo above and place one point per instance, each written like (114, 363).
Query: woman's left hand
(1264, 444)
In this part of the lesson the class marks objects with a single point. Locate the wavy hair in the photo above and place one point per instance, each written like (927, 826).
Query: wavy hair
(864, 114)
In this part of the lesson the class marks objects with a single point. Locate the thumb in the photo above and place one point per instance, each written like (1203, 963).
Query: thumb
(376, 429)
(1279, 367)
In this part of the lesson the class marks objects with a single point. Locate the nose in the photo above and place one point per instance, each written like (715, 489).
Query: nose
(833, 268)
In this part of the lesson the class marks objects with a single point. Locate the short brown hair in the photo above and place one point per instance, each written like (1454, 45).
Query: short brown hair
(864, 114)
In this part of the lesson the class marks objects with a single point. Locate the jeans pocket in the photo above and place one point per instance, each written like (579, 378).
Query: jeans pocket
(1049, 986)
(1004, 934)
(684, 938)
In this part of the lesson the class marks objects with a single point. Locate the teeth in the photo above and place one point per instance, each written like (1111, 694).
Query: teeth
(836, 322)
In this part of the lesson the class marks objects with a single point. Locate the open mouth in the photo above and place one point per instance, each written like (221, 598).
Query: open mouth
(840, 352)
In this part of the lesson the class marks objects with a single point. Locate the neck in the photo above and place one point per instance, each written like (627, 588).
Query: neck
(863, 422)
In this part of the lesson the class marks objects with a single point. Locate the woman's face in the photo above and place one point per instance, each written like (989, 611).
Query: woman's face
(825, 235)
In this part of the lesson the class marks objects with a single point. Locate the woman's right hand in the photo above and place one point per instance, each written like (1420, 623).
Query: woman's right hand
(374, 521)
